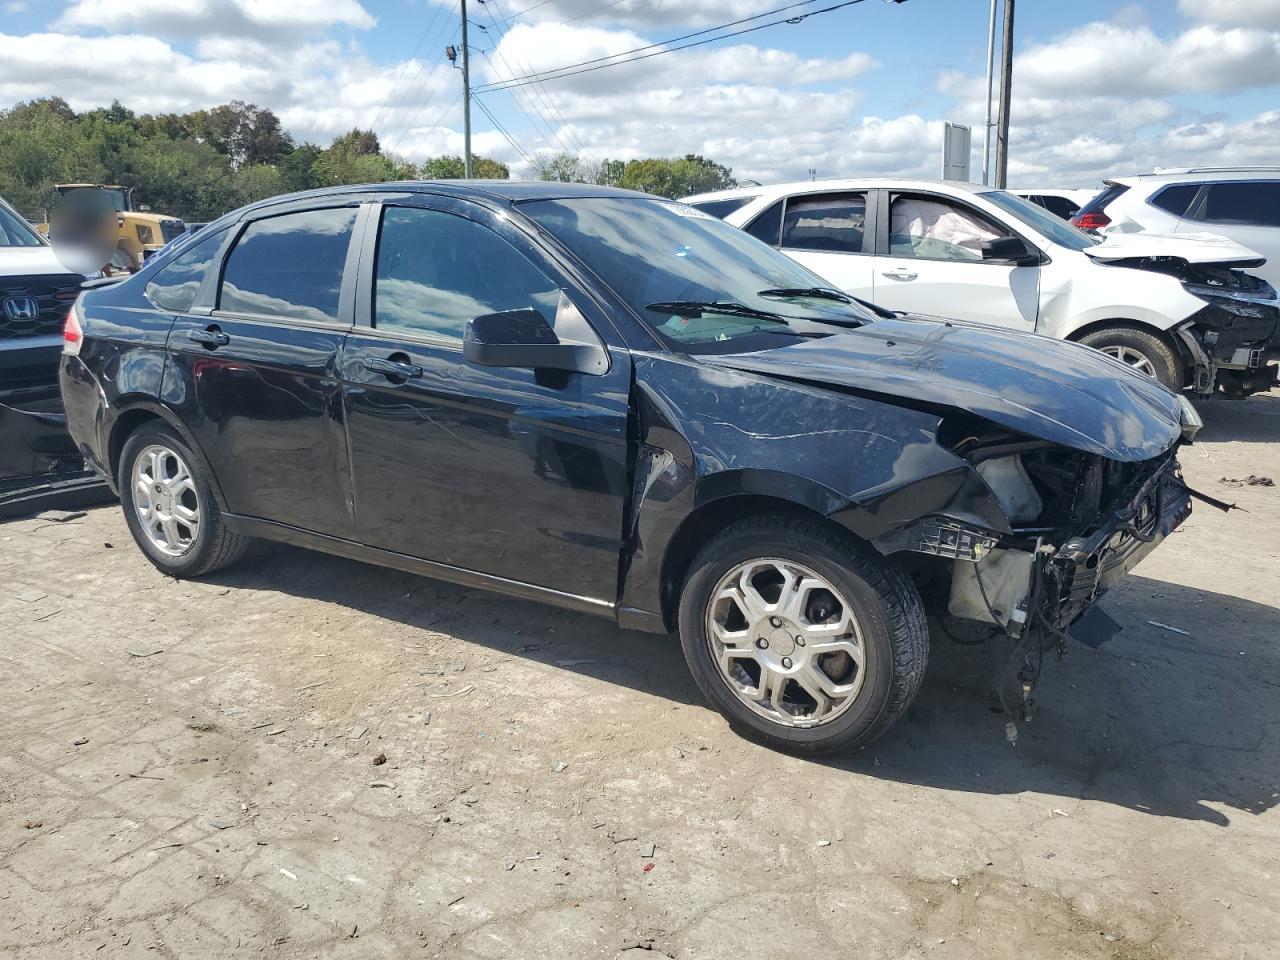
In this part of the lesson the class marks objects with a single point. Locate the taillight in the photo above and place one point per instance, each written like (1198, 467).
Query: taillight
(72, 335)
(1091, 221)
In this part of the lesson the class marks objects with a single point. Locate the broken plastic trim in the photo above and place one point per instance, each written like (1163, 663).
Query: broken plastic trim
(943, 537)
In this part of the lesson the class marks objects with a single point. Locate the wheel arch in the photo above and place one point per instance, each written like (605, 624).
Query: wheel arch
(704, 522)
(144, 410)
(1167, 337)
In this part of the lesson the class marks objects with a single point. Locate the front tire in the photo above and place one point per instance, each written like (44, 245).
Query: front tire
(1143, 351)
(804, 639)
(169, 505)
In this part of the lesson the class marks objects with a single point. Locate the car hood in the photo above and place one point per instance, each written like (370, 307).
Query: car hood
(1191, 247)
(29, 261)
(1038, 386)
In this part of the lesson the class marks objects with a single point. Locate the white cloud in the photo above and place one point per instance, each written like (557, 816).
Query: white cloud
(1253, 13)
(193, 18)
(15, 6)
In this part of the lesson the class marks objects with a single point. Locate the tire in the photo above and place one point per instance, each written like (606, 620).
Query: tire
(156, 461)
(891, 632)
(1144, 351)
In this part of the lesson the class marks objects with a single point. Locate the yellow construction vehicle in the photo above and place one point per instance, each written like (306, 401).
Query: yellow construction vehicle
(141, 232)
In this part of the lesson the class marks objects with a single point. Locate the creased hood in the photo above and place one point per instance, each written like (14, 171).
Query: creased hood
(1191, 247)
(1041, 387)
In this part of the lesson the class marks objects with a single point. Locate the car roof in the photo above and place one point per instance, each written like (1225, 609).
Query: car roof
(509, 191)
(1199, 175)
(823, 186)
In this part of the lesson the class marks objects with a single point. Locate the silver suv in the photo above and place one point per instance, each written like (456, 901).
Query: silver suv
(1241, 203)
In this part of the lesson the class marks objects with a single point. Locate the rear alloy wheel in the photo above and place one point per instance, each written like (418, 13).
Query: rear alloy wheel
(803, 638)
(1141, 351)
(169, 505)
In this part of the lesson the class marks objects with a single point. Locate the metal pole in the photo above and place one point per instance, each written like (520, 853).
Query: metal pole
(466, 96)
(991, 77)
(1006, 87)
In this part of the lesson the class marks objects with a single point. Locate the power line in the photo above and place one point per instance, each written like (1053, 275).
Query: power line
(539, 90)
(422, 98)
(502, 130)
(592, 13)
(559, 72)
(443, 113)
(373, 124)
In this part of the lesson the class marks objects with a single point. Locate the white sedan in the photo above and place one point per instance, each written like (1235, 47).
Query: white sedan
(1178, 308)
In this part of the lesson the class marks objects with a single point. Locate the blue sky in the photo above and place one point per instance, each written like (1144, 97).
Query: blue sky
(1099, 87)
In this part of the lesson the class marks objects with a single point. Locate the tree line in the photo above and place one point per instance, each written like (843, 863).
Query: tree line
(202, 164)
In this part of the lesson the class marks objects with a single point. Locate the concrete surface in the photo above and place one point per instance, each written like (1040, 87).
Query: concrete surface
(187, 770)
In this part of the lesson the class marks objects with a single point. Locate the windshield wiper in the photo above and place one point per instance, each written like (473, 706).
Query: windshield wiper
(696, 308)
(815, 293)
(731, 308)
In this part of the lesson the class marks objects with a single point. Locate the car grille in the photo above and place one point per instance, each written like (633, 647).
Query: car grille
(45, 291)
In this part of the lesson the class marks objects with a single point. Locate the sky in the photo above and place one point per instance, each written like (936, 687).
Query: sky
(1100, 88)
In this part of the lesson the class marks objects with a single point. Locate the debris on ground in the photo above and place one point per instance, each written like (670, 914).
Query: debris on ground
(382, 783)
(648, 850)
(81, 742)
(355, 733)
(559, 766)
(144, 651)
(61, 516)
(30, 596)
(1252, 480)
(380, 759)
(1165, 626)
(33, 824)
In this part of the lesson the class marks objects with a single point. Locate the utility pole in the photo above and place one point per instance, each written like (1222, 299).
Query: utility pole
(1006, 84)
(991, 76)
(466, 96)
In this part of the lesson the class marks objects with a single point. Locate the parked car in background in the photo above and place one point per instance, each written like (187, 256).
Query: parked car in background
(1185, 310)
(1241, 203)
(611, 402)
(1063, 204)
(37, 456)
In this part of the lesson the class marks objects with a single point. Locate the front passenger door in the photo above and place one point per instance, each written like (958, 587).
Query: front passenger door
(514, 473)
(934, 265)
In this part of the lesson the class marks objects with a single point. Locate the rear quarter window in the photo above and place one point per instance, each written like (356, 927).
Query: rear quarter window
(722, 208)
(1175, 199)
(175, 285)
(1099, 203)
(1248, 203)
(768, 225)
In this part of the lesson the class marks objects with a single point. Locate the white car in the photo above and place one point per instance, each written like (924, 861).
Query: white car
(1063, 204)
(1177, 308)
(1240, 203)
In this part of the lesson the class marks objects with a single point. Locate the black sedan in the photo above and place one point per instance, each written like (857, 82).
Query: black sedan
(620, 405)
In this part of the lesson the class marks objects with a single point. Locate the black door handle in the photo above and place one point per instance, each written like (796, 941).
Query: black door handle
(210, 337)
(394, 369)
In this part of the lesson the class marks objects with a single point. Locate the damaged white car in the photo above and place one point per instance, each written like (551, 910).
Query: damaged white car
(1185, 309)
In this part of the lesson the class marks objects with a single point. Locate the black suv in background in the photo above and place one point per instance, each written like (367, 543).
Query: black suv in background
(623, 406)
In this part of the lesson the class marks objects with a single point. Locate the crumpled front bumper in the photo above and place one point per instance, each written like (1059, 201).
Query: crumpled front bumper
(1083, 568)
(40, 466)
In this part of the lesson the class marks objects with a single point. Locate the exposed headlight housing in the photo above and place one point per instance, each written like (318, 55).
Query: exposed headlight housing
(1190, 418)
(944, 537)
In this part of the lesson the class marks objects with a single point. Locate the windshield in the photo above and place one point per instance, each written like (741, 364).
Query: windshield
(14, 231)
(1041, 220)
(115, 194)
(673, 264)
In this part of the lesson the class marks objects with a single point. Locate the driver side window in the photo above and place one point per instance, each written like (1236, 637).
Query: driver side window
(932, 228)
(435, 271)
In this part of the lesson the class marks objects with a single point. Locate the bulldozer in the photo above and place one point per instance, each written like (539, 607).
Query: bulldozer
(141, 232)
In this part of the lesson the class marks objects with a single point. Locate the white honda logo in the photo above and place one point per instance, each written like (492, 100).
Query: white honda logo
(22, 308)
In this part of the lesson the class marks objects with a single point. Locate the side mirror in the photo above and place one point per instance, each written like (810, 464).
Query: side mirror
(524, 338)
(1009, 250)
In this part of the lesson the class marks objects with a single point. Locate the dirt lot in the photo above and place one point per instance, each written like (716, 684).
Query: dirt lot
(188, 770)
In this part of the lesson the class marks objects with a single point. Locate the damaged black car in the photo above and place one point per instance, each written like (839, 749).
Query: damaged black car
(619, 405)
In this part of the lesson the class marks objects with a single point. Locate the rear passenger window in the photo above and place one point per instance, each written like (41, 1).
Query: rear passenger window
(768, 226)
(1177, 198)
(1253, 204)
(832, 223)
(437, 270)
(289, 266)
(175, 286)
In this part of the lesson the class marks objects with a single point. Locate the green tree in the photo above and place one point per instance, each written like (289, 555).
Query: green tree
(243, 131)
(297, 168)
(453, 168)
(676, 177)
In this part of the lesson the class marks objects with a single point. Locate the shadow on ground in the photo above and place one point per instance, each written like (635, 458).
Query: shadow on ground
(1158, 722)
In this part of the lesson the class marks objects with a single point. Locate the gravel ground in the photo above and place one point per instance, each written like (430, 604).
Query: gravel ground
(193, 769)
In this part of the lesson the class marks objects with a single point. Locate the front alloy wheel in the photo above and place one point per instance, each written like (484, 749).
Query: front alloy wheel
(786, 642)
(802, 636)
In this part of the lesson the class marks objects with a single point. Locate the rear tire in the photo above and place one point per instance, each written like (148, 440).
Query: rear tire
(832, 657)
(1141, 350)
(169, 505)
